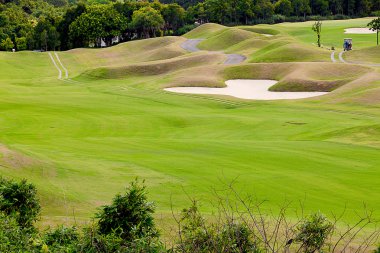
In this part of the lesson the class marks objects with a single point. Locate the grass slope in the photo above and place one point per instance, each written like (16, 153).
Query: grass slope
(81, 142)
(205, 31)
(226, 39)
(369, 55)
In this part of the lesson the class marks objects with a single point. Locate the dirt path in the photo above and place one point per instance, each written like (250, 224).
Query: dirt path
(191, 46)
(234, 59)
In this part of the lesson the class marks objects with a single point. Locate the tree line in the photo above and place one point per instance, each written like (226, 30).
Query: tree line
(127, 225)
(62, 25)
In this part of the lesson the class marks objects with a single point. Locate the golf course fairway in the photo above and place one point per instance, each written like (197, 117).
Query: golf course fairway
(82, 138)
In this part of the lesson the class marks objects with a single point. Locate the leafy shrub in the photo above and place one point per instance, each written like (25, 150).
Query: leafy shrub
(227, 236)
(277, 18)
(184, 29)
(313, 233)
(61, 239)
(7, 44)
(13, 238)
(93, 241)
(21, 43)
(130, 214)
(20, 200)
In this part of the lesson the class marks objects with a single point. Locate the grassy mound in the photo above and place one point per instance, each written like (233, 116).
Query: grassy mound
(369, 55)
(155, 68)
(204, 31)
(226, 39)
(299, 76)
(204, 76)
(287, 51)
(261, 30)
(133, 52)
(248, 46)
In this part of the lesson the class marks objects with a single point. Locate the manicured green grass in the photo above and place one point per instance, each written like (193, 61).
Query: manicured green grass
(332, 32)
(82, 142)
(365, 55)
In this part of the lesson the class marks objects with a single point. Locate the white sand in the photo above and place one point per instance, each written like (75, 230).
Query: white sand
(358, 31)
(247, 89)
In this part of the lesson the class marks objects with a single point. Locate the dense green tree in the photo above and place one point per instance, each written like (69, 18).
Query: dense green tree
(147, 21)
(7, 44)
(46, 36)
(349, 7)
(375, 5)
(174, 16)
(374, 25)
(363, 7)
(283, 7)
(63, 27)
(336, 6)
(96, 23)
(245, 11)
(196, 13)
(217, 10)
(264, 9)
(21, 44)
(320, 7)
(301, 7)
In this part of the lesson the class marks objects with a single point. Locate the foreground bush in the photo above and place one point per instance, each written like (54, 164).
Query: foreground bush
(19, 199)
(130, 214)
(14, 238)
(313, 233)
(196, 235)
(127, 225)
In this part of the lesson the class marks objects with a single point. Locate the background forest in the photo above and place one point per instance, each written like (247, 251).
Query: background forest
(63, 24)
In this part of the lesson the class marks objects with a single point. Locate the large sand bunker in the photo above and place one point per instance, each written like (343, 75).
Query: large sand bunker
(358, 31)
(247, 89)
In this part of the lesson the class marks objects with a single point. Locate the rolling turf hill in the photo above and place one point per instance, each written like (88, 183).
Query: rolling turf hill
(81, 139)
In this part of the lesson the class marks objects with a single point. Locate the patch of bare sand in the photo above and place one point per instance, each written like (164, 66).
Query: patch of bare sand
(358, 31)
(247, 89)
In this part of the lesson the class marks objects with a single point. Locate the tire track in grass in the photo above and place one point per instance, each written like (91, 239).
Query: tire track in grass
(60, 63)
(353, 62)
(341, 57)
(56, 66)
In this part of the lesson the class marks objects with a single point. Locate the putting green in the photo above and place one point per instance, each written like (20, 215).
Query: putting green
(82, 141)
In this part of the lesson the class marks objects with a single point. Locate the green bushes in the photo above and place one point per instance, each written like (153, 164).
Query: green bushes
(13, 238)
(127, 225)
(129, 214)
(313, 233)
(19, 200)
(197, 235)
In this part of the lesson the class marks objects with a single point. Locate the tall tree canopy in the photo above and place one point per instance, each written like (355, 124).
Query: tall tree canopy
(98, 22)
(147, 21)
